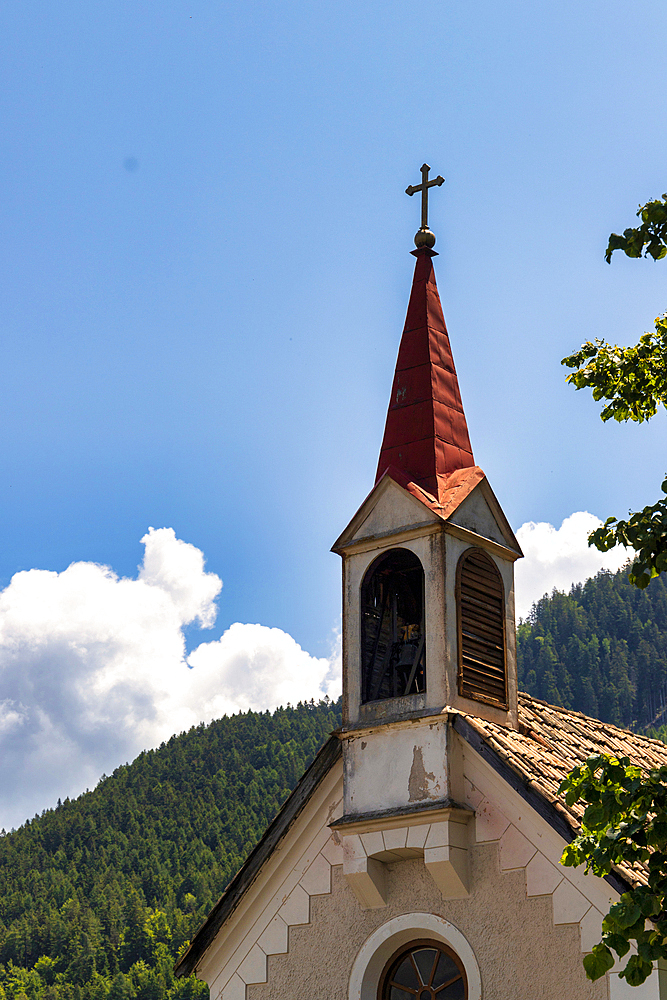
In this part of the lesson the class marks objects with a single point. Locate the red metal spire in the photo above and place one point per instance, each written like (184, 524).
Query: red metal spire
(426, 435)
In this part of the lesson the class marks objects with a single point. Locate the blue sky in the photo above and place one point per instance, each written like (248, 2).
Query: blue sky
(205, 269)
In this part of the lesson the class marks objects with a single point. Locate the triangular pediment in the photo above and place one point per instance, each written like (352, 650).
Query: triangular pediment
(481, 513)
(293, 908)
(388, 509)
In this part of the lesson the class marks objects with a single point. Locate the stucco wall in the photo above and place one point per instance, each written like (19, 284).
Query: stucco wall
(521, 954)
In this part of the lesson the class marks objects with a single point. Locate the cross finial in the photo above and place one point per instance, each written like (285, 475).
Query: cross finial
(424, 237)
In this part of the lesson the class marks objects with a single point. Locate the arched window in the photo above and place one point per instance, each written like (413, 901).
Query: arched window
(427, 970)
(481, 618)
(393, 651)
(380, 956)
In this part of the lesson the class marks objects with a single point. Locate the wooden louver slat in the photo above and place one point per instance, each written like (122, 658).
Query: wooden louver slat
(480, 599)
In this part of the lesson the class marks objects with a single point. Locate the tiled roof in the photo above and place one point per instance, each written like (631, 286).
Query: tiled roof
(551, 741)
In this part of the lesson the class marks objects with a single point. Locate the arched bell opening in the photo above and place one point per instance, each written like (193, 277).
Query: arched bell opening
(393, 646)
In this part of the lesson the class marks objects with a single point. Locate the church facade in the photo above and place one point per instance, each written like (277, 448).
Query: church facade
(418, 856)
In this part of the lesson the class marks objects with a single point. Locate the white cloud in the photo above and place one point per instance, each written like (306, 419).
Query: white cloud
(93, 669)
(252, 666)
(559, 557)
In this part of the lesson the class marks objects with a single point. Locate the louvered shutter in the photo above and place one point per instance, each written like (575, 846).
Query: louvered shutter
(481, 615)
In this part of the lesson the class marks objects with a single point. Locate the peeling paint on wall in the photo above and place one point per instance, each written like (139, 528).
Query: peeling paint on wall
(418, 782)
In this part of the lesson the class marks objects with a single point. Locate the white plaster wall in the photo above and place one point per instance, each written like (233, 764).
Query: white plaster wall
(299, 928)
(527, 919)
(393, 510)
(521, 954)
(474, 514)
(655, 988)
(396, 766)
(524, 839)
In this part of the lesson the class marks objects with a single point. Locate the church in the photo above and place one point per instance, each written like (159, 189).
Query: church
(418, 856)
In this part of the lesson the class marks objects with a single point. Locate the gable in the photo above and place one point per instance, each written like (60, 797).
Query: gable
(295, 923)
(502, 934)
(388, 509)
(480, 512)
(300, 930)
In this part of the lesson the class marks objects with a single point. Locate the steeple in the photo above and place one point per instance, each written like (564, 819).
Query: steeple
(428, 579)
(428, 614)
(426, 435)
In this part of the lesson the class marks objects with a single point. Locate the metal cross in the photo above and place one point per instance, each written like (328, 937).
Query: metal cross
(423, 187)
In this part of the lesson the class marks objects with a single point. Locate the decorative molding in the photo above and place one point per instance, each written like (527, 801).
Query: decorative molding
(390, 538)
(418, 815)
(293, 912)
(439, 836)
(516, 852)
(366, 878)
(315, 778)
(467, 535)
(382, 943)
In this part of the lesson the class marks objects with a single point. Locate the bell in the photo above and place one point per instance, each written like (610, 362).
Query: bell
(407, 654)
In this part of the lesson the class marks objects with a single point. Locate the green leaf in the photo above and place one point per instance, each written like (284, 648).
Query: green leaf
(599, 962)
(619, 943)
(636, 971)
(626, 912)
(595, 816)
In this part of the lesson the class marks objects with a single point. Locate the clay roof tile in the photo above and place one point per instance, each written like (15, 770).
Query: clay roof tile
(551, 741)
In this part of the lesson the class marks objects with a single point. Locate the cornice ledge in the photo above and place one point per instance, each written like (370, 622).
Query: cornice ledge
(403, 720)
(399, 534)
(414, 815)
(467, 535)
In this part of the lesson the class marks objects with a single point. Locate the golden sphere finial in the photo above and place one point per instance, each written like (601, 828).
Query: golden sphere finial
(424, 238)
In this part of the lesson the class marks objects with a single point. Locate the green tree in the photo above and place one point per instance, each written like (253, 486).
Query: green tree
(46, 968)
(633, 383)
(624, 823)
(647, 240)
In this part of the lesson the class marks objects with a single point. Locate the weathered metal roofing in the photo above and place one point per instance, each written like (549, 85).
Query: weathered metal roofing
(533, 760)
(452, 489)
(426, 435)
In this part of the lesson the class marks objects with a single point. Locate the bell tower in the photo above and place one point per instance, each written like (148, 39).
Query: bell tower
(428, 608)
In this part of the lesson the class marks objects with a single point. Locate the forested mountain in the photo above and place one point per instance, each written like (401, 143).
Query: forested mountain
(601, 649)
(98, 896)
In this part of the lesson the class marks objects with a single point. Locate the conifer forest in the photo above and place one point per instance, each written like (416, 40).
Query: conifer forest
(601, 650)
(100, 895)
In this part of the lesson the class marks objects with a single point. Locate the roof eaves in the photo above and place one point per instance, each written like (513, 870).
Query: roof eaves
(551, 811)
(231, 897)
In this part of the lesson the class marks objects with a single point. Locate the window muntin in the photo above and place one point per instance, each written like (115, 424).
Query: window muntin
(426, 970)
(481, 621)
(393, 652)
